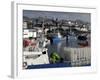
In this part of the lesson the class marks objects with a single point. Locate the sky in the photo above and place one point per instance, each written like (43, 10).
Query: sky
(86, 17)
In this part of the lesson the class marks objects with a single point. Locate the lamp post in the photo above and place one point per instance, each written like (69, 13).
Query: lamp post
(69, 22)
